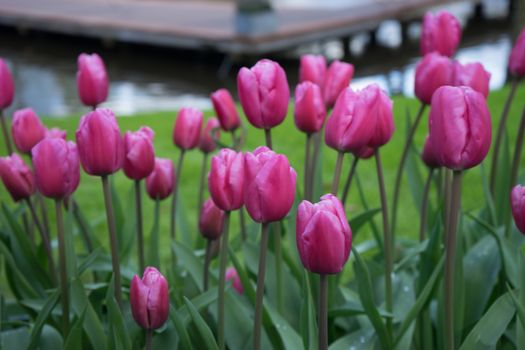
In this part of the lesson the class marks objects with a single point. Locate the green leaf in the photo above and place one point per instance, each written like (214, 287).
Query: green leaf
(14, 338)
(50, 339)
(375, 230)
(362, 339)
(203, 329)
(25, 287)
(519, 303)
(308, 316)
(184, 338)
(88, 261)
(194, 266)
(74, 338)
(117, 326)
(71, 257)
(201, 301)
(41, 319)
(361, 219)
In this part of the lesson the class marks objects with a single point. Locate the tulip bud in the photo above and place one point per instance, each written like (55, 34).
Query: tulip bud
(310, 110)
(149, 299)
(269, 185)
(364, 153)
(432, 72)
(139, 159)
(378, 108)
(57, 171)
(517, 56)
(92, 80)
(324, 238)
(27, 129)
(211, 220)
(56, 133)
(428, 155)
(231, 274)
(100, 146)
(440, 33)
(7, 86)
(159, 184)
(225, 108)
(187, 129)
(313, 68)
(472, 75)
(207, 142)
(264, 93)
(517, 202)
(17, 177)
(226, 179)
(337, 79)
(345, 130)
(460, 128)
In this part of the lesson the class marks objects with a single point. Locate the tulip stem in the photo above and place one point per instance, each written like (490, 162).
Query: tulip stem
(424, 206)
(82, 225)
(337, 172)
(113, 242)
(201, 185)
(348, 182)
(176, 180)
(207, 258)
(387, 238)
(6, 133)
(323, 313)
(307, 160)
(500, 133)
(243, 224)
(268, 137)
(149, 338)
(450, 246)
(260, 287)
(402, 161)
(278, 267)
(447, 198)
(64, 296)
(140, 234)
(222, 279)
(43, 210)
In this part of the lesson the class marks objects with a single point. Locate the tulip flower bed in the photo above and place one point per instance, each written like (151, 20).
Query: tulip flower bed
(335, 221)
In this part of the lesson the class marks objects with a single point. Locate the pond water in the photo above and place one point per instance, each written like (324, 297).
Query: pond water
(156, 79)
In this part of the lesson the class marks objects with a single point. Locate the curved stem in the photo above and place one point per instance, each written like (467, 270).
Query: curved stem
(113, 241)
(337, 172)
(348, 182)
(149, 339)
(222, 279)
(6, 133)
(307, 174)
(424, 206)
(268, 137)
(176, 180)
(207, 259)
(260, 287)
(201, 185)
(323, 313)
(64, 293)
(140, 234)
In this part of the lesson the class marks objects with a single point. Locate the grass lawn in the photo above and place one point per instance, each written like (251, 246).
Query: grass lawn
(289, 141)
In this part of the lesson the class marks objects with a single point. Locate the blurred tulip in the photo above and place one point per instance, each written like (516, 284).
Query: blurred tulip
(264, 93)
(310, 110)
(432, 72)
(428, 155)
(56, 133)
(517, 56)
(226, 179)
(187, 130)
(517, 202)
(324, 238)
(159, 184)
(269, 185)
(211, 220)
(92, 80)
(149, 299)
(226, 110)
(440, 33)
(313, 68)
(100, 145)
(27, 130)
(7, 86)
(338, 78)
(460, 127)
(378, 108)
(139, 155)
(364, 153)
(17, 177)
(231, 274)
(207, 143)
(472, 75)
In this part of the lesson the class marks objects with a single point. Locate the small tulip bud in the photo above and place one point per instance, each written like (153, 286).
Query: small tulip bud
(187, 130)
(27, 130)
(231, 274)
(7, 86)
(139, 155)
(440, 33)
(226, 179)
(225, 108)
(17, 177)
(159, 184)
(149, 299)
(211, 220)
(92, 80)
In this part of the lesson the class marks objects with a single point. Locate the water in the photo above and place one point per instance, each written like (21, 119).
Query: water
(147, 79)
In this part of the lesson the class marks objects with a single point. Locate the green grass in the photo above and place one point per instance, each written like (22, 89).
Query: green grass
(288, 140)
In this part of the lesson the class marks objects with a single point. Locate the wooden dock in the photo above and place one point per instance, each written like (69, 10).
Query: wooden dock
(204, 25)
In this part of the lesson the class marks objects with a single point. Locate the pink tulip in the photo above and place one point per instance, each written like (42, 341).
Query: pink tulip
(231, 274)
(324, 238)
(7, 86)
(310, 110)
(429, 156)
(149, 299)
(159, 184)
(139, 155)
(364, 153)
(226, 179)
(378, 108)
(207, 143)
(460, 127)
(226, 110)
(517, 56)
(100, 145)
(473, 75)
(432, 72)
(57, 171)
(517, 202)
(187, 130)
(17, 177)
(211, 220)
(269, 185)
(264, 93)
(337, 79)
(313, 68)
(440, 33)
(56, 133)
(92, 80)
(27, 130)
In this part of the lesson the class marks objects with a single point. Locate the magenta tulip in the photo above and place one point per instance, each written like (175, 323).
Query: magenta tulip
(310, 110)
(7, 86)
(149, 299)
(27, 130)
(56, 133)
(313, 68)
(17, 177)
(338, 78)
(460, 127)
(269, 185)
(517, 202)
(159, 184)
(428, 155)
(231, 274)
(324, 238)
(432, 72)
(264, 93)
(225, 108)
(378, 108)
(211, 220)
(226, 179)
(517, 56)
(211, 130)
(92, 80)
(139, 155)
(187, 130)
(364, 153)
(473, 75)
(440, 33)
